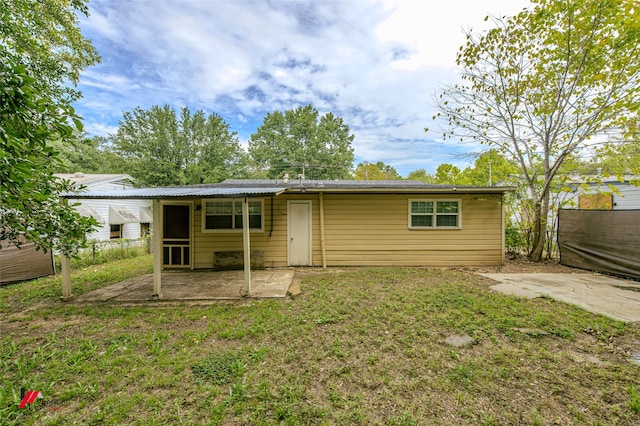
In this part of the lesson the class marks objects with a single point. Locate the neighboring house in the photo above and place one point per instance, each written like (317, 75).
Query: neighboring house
(117, 217)
(326, 223)
(609, 193)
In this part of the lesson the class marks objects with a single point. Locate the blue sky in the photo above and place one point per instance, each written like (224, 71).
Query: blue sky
(376, 64)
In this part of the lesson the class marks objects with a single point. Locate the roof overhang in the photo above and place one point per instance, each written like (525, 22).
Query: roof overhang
(120, 215)
(86, 210)
(425, 190)
(146, 215)
(178, 192)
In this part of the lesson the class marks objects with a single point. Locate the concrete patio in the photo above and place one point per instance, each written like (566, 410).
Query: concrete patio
(601, 294)
(188, 285)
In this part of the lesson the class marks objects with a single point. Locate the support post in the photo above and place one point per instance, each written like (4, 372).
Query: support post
(322, 245)
(156, 235)
(503, 217)
(246, 246)
(65, 263)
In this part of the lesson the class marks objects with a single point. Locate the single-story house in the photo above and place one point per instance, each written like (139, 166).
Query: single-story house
(117, 217)
(322, 223)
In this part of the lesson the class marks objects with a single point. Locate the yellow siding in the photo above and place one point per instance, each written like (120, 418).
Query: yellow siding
(373, 230)
(364, 229)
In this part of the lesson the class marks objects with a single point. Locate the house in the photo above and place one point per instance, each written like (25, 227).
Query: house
(117, 217)
(322, 223)
(604, 193)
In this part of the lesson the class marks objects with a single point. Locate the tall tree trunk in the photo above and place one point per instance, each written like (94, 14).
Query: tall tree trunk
(541, 214)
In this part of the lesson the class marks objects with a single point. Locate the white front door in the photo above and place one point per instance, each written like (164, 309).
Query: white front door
(299, 233)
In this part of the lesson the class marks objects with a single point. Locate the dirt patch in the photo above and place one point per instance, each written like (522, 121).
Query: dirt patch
(520, 264)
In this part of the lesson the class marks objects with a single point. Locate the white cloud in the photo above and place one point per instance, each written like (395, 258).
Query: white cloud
(375, 64)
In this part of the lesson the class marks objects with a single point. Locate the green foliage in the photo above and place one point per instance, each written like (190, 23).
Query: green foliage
(220, 368)
(45, 37)
(376, 171)
(383, 360)
(29, 192)
(634, 403)
(490, 168)
(89, 155)
(447, 174)
(99, 252)
(541, 84)
(623, 156)
(422, 176)
(160, 148)
(299, 141)
(514, 239)
(42, 51)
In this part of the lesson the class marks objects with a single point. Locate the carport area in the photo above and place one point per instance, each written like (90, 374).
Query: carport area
(188, 285)
(613, 297)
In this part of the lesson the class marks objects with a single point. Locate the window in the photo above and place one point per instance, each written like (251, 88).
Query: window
(434, 214)
(145, 229)
(227, 215)
(115, 231)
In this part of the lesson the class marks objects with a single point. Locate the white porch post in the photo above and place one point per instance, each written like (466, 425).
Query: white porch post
(322, 243)
(156, 234)
(246, 246)
(65, 263)
(502, 216)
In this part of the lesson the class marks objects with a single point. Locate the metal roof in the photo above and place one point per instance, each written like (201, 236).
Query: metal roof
(328, 184)
(355, 186)
(120, 215)
(231, 188)
(197, 191)
(86, 210)
(92, 179)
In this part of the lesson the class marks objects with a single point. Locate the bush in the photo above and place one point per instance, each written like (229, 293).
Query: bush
(99, 252)
(514, 240)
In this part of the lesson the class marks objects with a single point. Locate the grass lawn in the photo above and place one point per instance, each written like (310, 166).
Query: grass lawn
(358, 346)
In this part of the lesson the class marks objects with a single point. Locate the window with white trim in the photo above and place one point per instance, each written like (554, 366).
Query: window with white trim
(430, 214)
(226, 214)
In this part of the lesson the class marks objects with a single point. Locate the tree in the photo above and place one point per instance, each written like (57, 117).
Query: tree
(43, 52)
(489, 168)
(541, 84)
(621, 157)
(422, 176)
(89, 155)
(162, 149)
(447, 174)
(376, 171)
(300, 142)
(31, 209)
(44, 36)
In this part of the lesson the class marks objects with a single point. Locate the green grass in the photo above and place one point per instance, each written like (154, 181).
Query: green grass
(363, 346)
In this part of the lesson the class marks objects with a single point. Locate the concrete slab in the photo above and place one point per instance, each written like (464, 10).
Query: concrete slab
(616, 298)
(196, 285)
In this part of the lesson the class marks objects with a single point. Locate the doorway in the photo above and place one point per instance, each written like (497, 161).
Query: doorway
(299, 233)
(176, 235)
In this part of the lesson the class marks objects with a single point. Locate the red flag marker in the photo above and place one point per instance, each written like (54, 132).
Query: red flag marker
(29, 398)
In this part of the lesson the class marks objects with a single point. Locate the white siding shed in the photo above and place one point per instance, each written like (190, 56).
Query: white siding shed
(117, 218)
